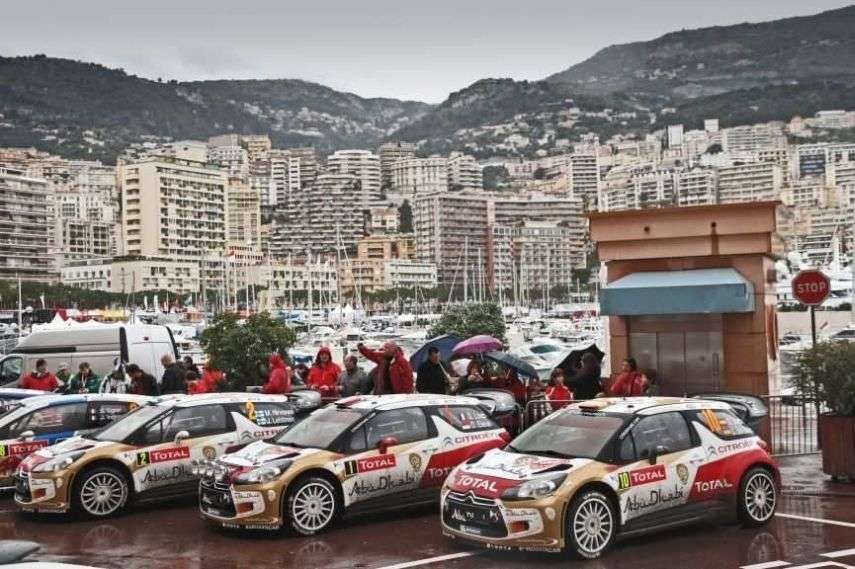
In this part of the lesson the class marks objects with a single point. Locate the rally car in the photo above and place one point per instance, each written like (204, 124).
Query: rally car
(611, 467)
(29, 424)
(146, 455)
(360, 453)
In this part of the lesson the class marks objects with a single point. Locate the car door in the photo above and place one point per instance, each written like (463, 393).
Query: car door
(660, 456)
(173, 441)
(385, 455)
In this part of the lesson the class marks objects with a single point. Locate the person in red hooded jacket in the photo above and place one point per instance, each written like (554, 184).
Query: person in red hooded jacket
(40, 379)
(630, 382)
(279, 378)
(323, 375)
(394, 373)
(209, 382)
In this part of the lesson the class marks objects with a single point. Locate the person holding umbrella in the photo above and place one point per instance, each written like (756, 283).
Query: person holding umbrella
(431, 376)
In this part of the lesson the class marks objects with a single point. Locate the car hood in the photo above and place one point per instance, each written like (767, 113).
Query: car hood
(68, 446)
(260, 452)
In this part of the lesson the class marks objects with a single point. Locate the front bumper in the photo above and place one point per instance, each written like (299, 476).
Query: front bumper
(242, 507)
(531, 525)
(46, 493)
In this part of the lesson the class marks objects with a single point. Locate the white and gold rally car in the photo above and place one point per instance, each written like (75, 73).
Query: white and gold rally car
(146, 455)
(361, 453)
(606, 468)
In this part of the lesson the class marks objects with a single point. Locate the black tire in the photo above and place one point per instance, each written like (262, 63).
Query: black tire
(311, 505)
(757, 498)
(591, 525)
(100, 492)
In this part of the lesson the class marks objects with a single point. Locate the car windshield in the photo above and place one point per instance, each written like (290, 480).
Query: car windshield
(121, 429)
(321, 428)
(571, 434)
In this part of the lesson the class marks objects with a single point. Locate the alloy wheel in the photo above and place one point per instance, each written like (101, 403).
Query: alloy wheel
(313, 507)
(103, 494)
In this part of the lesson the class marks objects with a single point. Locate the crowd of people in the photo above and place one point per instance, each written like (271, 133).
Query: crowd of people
(392, 373)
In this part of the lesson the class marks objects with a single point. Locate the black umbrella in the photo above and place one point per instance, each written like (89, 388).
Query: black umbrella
(522, 367)
(574, 359)
(445, 344)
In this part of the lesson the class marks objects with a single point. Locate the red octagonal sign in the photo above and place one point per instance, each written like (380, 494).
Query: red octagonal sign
(811, 287)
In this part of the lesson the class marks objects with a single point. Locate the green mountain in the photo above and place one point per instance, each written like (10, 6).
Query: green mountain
(709, 61)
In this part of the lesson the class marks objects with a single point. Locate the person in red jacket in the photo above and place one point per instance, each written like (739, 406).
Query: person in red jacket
(630, 381)
(557, 393)
(323, 375)
(40, 379)
(394, 373)
(279, 377)
(209, 382)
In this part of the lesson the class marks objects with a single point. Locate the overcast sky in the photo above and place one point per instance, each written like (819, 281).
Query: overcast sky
(413, 49)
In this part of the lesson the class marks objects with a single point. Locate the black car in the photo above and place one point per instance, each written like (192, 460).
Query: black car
(750, 408)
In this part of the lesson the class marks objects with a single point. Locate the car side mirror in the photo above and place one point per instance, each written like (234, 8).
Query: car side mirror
(659, 451)
(27, 435)
(385, 443)
(180, 436)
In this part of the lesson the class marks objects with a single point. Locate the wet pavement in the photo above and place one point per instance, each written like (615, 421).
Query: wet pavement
(172, 536)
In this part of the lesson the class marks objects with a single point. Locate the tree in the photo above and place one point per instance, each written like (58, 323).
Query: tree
(471, 319)
(823, 373)
(405, 213)
(240, 349)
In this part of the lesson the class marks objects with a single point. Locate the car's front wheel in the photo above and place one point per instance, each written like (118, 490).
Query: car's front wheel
(591, 524)
(758, 497)
(100, 492)
(312, 505)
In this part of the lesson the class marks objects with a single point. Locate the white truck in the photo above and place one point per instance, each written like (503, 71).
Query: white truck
(100, 346)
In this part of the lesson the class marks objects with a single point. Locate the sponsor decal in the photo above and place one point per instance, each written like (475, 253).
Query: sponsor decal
(156, 476)
(18, 449)
(656, 497)
(707, 486)
(717, 450)
(370, 464)
(435, 475)
(642, 476)
(209, 452)
(470, 482)
(250, 411)
(383, 483)
(683, 473)
(416, 462)
(164, 455)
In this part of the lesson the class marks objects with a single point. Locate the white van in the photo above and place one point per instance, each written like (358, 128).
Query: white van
(100, 346)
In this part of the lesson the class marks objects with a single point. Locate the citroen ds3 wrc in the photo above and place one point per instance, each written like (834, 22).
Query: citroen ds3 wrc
(361, 453)
(147, 454)
(608, 468)
(30, 424)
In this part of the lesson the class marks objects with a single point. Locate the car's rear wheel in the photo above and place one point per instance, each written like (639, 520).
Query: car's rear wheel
(591, 524)
(100, 492)
(312, 505)
(758, 497)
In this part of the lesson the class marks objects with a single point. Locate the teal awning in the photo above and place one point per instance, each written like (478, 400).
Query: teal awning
(701, 291)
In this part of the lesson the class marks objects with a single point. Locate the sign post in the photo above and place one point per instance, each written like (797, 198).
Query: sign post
(811, 288)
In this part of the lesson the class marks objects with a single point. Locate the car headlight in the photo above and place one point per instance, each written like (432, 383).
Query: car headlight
(536, 488)
(264, 473)
(59, 462)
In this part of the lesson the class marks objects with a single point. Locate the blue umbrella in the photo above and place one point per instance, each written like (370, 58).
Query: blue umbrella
(445, 344)
(522, 367)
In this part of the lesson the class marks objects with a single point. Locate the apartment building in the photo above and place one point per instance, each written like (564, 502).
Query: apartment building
(531, 255)
(243, 214)
(750, 138)
(129, 276)
(289, 283)
(585, 177)
(384, 220)
(420, 176)
(385, 262)
(232, 159)
(364, 165)
(390, 153)
(285, 178)
(25, 228)
(749, 182)
(257, 146)
(173, 207)
(696, 186)
(464, 173)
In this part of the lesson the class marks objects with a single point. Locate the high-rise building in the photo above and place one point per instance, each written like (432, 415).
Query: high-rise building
(362, 164)
(285, 180)
(464, 173)
(749, 182)
(390, 153)
(675, 136)
(749, 138)
(233, 160)
(531, 255)
(585, 177)
(173, 208)
(419, 176)
(696, 186)
(244, 214)
(25, 228)
(257, 146)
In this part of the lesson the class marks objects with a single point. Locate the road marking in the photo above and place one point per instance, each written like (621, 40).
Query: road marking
(430, 560)
(816, 520)
(767, 565)
(841, 553)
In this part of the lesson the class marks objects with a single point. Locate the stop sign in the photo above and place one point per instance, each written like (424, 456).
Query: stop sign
(811, 287)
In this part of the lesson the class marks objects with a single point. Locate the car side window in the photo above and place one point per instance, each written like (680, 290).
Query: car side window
(198, 421)
(103, 413)
(626, 450)
(11, 370)
(668, 430)
(406, 425)
(724, 423)
(465, 418)
(357, 440)
(54, 419)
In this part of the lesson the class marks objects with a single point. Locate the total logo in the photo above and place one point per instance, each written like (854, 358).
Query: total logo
(707, 486)
(163, 455)
(469, 482)
(381, 462)
(642, 476)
